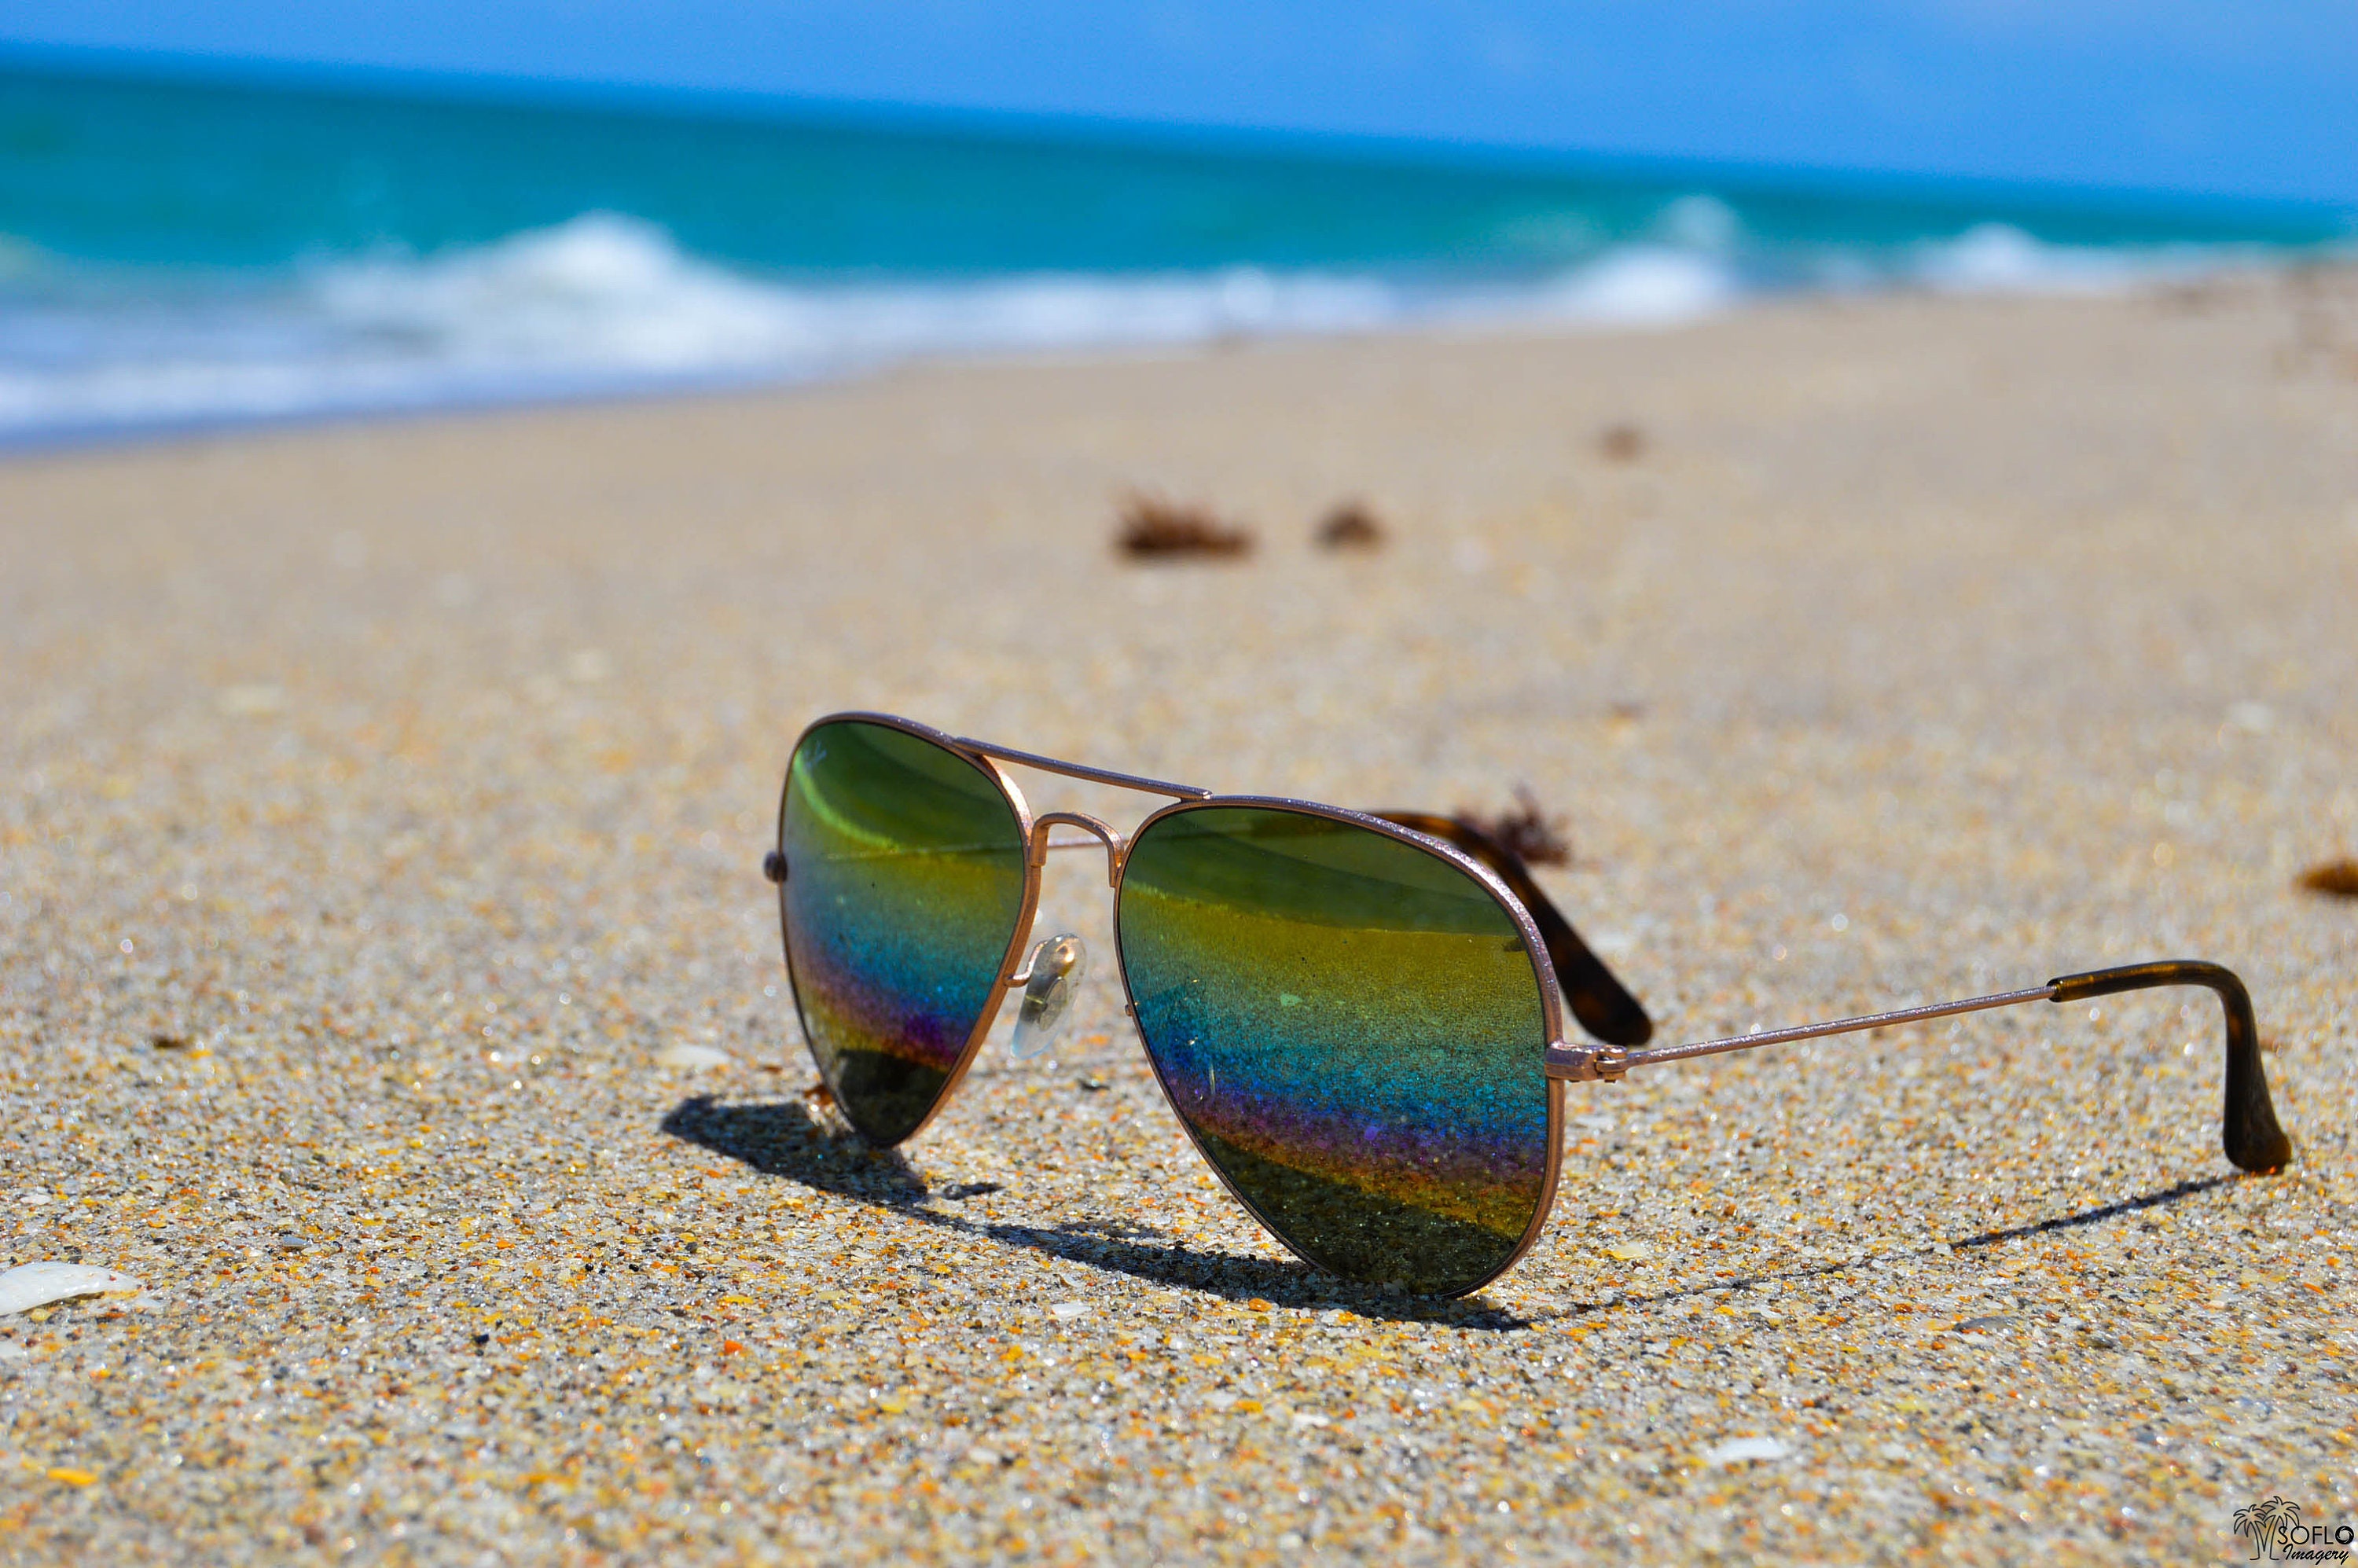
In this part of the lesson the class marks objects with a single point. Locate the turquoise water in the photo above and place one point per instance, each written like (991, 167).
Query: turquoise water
(179, 251)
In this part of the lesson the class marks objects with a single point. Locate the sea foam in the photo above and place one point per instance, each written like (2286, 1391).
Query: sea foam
(607, 303)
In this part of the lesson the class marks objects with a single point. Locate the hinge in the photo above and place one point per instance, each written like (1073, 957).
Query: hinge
(1586, 1063)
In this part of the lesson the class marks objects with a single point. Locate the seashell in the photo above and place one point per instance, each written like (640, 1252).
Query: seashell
(251, 701)
(1743, 1449)
(692, 1057)
(39, 1284)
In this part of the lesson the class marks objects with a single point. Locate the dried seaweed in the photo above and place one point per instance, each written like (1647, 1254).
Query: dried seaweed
(1153, 529)
(2335, 879)
(1623, 443)
(1351, 525)
(1535, 838)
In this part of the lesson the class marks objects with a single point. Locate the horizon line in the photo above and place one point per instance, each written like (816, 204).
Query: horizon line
(911, 118)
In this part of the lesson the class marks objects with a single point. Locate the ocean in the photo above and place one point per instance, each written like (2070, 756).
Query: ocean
(183, 252)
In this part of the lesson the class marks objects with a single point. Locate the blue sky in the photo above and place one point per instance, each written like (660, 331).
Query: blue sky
(2162, 94)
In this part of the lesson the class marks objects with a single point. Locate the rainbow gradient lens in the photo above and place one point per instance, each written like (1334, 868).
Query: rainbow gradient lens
(1353, 1029)
(904, 890)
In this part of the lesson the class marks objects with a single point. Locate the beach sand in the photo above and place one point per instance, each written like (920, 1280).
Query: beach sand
(381, 811)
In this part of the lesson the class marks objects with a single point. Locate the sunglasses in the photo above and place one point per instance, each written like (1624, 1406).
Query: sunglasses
(1358, 1017)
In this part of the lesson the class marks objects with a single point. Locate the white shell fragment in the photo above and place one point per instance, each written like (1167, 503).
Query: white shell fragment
(1742, 1448)
(692, 1057)
(251, 701)
(31, 1285)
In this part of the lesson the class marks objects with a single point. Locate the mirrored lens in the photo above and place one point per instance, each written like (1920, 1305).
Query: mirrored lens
(905, 883)
(1353, 1029)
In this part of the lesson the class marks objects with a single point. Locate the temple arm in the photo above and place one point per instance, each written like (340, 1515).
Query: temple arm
(2250, 1135)
(1602, 1003)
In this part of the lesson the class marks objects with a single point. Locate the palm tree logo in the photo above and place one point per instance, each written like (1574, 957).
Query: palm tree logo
(2267, 1524)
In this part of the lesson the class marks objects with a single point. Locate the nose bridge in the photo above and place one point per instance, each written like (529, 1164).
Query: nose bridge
(1101, 831)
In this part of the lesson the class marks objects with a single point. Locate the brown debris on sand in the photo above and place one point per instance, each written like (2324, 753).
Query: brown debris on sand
(1534, 838)
(2335, 879)
(1351, 525)
(1623, 443)
(1154, 529)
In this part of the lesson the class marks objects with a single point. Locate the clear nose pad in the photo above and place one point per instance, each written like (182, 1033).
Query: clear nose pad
(1058, 966)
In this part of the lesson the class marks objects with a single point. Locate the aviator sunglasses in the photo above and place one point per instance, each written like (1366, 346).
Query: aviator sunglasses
(1357, 1017)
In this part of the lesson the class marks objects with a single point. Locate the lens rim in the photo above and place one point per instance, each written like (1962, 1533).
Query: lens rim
(1534, 950)
(1001, 979)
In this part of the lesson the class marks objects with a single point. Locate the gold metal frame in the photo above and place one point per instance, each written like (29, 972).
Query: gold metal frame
(2252, 1137)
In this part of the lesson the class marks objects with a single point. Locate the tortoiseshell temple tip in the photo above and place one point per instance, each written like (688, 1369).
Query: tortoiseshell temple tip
(2250, 1135)
(1598, 1000)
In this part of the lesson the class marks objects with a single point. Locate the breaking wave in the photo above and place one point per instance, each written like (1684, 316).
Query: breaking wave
(608, 303)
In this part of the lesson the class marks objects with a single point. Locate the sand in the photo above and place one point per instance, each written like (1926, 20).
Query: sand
(381, 811)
